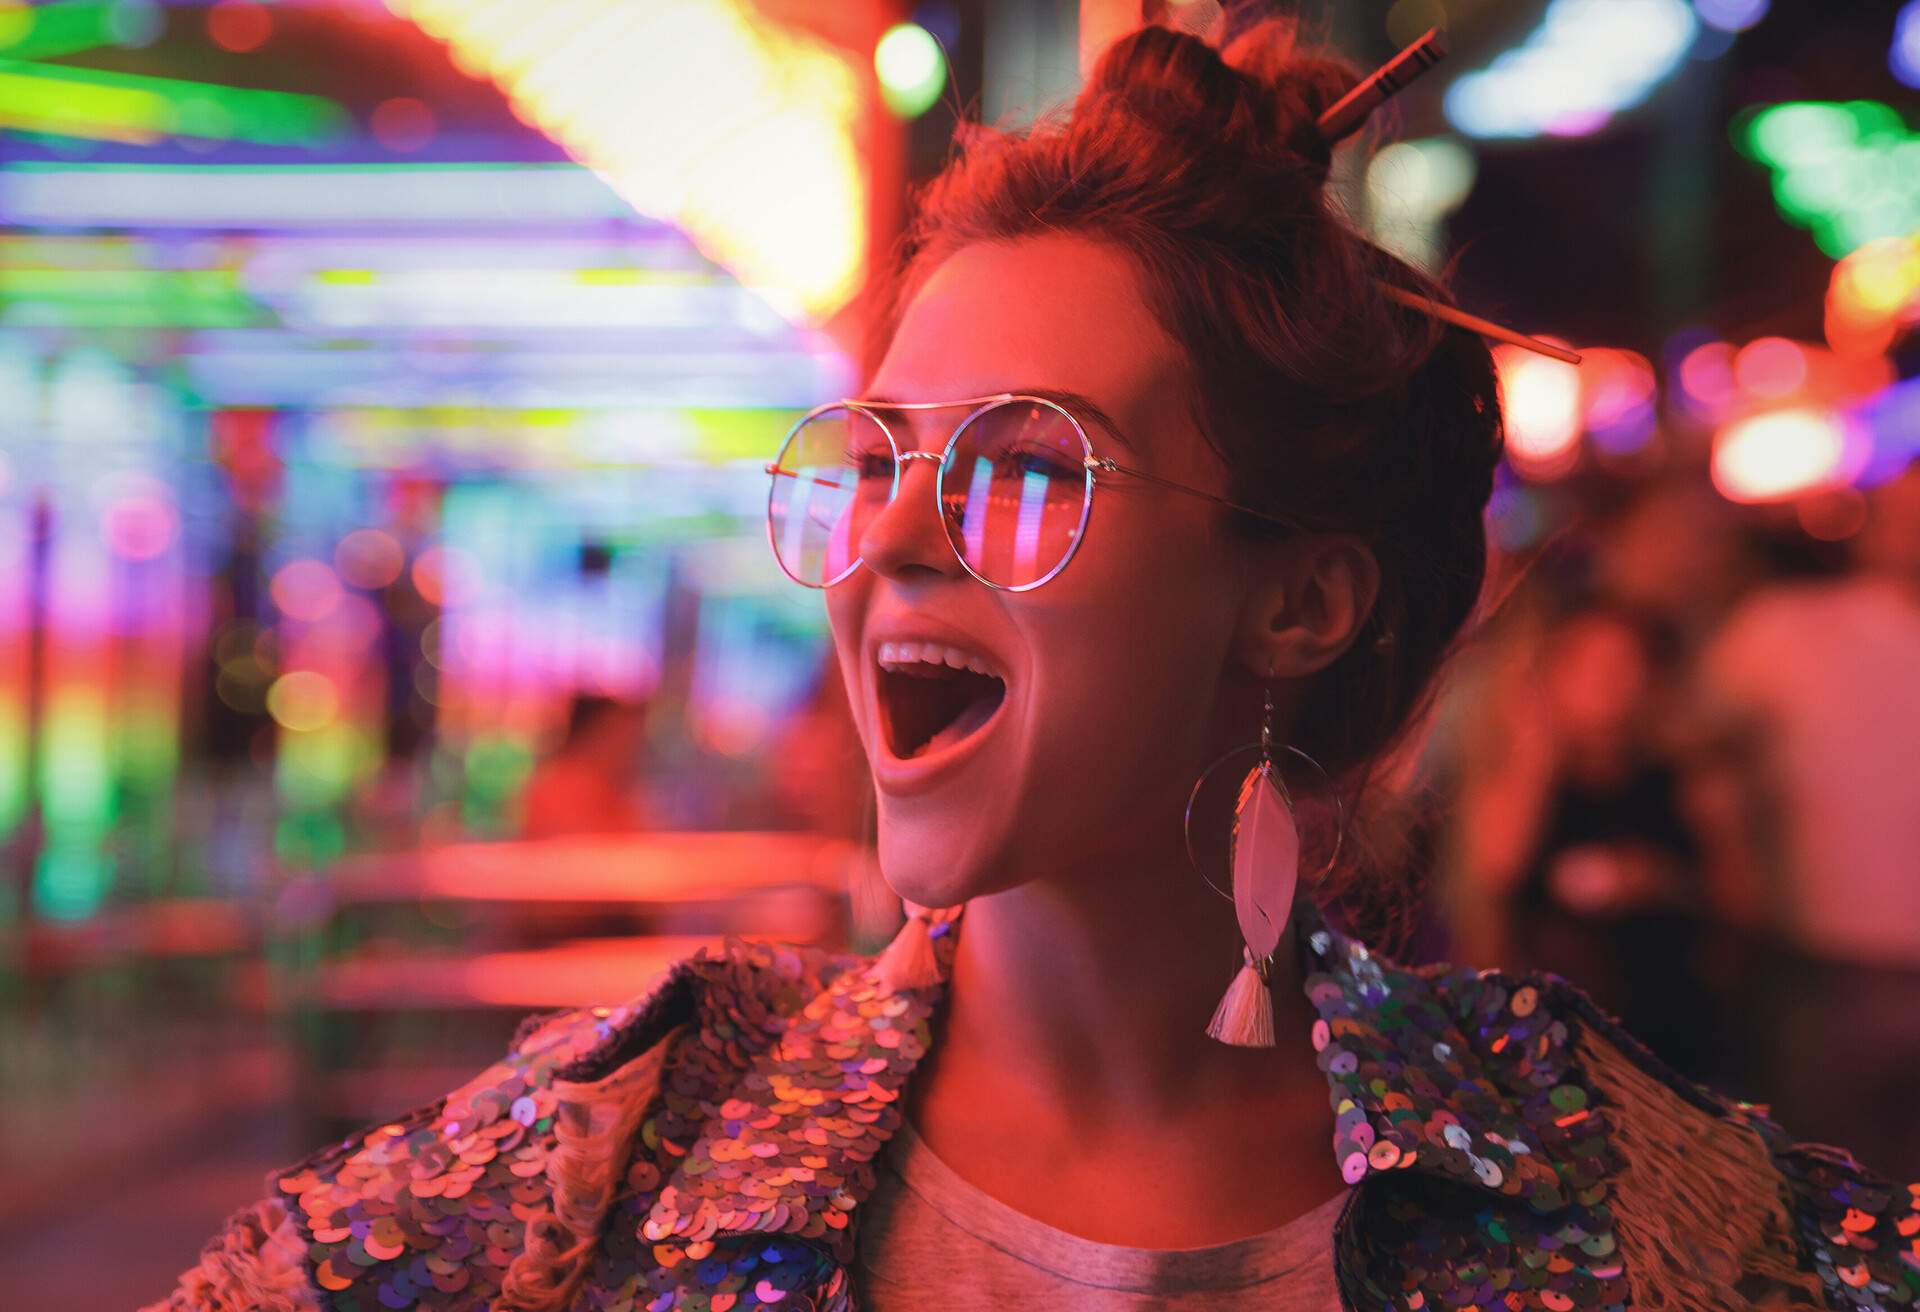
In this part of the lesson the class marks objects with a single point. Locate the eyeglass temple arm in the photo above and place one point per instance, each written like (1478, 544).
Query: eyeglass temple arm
(1108, 465)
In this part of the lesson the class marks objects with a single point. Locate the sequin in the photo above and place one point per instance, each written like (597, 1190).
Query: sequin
(1480, 1157)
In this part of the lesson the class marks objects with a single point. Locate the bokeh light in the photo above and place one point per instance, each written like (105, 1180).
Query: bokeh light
(911, 67)
(1770, 367)
(1873, 296)
(1586, 61)
(779, 197)
(1779, 454)
(239, 25)
(303, 700)
(1617, 394)
(306, 590)
(1833, 515)
(1541, 405)
(446, 576)
(1730, 15)
(141, 525)
(369, 558)
(403, 124)
(1706, 379)
(1903, 56)
(1413, 185)
(1849, 172)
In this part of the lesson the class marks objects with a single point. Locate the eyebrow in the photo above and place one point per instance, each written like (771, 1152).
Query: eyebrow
(1078, 402)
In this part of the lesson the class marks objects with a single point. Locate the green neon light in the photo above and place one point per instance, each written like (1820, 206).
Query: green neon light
(740, 434)
(1848, 172)
(73, 876)
(68, 27)
(147, 746)
(74, 766)
(126, 298)
(135, 108)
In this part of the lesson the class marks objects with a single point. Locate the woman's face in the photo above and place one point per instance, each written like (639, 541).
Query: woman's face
(1113, 669)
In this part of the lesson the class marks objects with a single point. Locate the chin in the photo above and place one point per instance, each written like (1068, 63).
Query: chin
(936, 856)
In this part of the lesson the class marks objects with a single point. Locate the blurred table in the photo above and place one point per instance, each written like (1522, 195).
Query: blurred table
(404, 973)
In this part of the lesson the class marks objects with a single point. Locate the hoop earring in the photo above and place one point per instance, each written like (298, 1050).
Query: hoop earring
(1264, 857)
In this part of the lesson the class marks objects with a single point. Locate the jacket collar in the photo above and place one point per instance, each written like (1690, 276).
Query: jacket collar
(1453, 1074)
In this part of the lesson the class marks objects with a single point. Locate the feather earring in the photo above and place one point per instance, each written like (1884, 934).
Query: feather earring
(1266, 870)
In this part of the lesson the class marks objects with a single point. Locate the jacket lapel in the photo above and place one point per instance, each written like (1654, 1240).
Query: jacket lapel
(787, 1147)
(1452, 1073)
(1449, 1075)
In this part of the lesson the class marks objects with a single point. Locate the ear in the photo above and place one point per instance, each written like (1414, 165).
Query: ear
(1309, 599)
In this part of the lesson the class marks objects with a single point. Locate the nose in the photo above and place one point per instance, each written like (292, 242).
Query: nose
(907, 538)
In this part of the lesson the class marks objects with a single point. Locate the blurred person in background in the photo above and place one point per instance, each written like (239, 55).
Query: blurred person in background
(1150, 304)
(1581, 859)
(1678, 555)
(590, 784)
(1816, 684)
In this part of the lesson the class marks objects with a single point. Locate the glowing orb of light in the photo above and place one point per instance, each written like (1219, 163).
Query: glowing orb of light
(911, 69)
(305, 590)
(369, 558)
(1706, 379)
(1731, 15)
(239, 25)
(1903, 57)
(303, 700)
(1873, 296)
(1540, 398)
(403, 124)
(1617, 391)
(1586, 61)
(1770, 367)
(1779, 454)
(141, 525)
(446, 577)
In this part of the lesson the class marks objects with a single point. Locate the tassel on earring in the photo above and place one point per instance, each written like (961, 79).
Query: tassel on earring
(1266, 870)
(1244, 1017)
(908, 962)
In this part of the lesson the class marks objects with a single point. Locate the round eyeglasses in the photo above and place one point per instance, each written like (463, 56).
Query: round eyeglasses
(1014, 486)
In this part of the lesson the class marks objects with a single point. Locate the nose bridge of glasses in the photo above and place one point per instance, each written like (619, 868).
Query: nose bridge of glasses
(917, 436)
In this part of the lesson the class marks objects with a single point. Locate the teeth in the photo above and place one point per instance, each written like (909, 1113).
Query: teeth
(899, 655)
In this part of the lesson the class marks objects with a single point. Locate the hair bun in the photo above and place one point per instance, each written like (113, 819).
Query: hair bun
(1260, 97)
(1303, 79)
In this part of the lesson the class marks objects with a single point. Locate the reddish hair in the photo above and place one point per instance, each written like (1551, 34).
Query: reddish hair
(1331, 406)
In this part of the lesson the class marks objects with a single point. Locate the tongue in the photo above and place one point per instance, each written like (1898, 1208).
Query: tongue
(977, 713)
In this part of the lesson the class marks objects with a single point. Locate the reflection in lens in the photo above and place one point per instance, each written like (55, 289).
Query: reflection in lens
(834, 473)
(1015, 491)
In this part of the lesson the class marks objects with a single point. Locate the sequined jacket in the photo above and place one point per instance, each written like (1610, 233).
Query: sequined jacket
(709, 1145)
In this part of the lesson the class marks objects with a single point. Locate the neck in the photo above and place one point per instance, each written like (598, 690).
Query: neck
(1092, 994)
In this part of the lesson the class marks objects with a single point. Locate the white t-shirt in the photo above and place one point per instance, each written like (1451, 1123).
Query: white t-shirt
(1833, 672)
(929, 1239)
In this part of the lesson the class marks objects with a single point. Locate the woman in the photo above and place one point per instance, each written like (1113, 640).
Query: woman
(1025, 1104)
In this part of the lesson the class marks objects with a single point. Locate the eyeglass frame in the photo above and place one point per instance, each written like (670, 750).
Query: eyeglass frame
(1091, 463)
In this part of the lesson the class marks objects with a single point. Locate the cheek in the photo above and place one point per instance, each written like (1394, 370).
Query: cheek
(1131, 648)
(846, 619)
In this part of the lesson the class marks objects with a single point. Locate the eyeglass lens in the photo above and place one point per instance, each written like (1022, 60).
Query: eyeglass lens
(1014, 493)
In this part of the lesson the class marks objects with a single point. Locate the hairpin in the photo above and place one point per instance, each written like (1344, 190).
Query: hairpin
(1344, 117)
(1474, 323)
(1346, 114)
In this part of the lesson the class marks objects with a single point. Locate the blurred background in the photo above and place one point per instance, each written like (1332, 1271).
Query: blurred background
(389, 644)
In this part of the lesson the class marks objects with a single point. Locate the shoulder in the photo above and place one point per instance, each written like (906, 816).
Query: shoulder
(1710, 1203)
(484, 1193)
(1722, 1197)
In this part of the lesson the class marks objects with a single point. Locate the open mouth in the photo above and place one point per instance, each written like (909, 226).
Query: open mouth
(933, 696)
